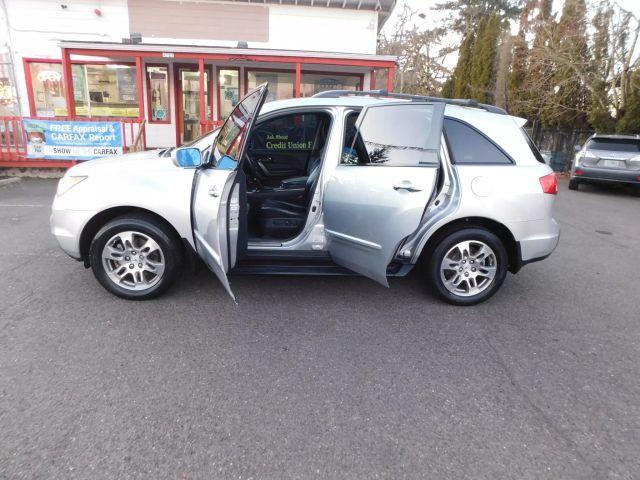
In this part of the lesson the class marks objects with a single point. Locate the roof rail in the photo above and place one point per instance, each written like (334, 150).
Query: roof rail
(414, 98)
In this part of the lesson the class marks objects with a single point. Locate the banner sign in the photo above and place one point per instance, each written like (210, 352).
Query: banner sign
(63, 140)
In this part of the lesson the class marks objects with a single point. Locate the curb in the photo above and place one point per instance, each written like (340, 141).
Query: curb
(8, 181)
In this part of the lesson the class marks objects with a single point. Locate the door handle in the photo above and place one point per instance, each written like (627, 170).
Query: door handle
(408, 186)
(213, 191)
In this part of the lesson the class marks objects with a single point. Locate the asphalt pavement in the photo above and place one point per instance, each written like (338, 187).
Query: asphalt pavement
(323, 377)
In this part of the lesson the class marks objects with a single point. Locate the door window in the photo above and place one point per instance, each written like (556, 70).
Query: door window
(232, 137)
(296, 132)
(394, 135)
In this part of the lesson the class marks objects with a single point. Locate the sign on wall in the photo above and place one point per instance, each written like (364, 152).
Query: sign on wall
(63, 140)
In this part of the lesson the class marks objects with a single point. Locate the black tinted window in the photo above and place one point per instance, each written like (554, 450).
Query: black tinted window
(614, 144)
(287, 133)
(394, 135)
(468, 146)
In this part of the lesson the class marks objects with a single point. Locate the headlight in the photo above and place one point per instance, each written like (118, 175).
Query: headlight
(67, 182)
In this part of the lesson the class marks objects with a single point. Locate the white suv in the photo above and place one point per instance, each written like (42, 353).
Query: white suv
(342, 183)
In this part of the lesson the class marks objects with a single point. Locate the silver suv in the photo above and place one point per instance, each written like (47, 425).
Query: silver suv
(342, 183)
(607, 159)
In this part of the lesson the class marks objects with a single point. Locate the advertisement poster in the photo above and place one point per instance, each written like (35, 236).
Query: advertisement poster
(62, 140)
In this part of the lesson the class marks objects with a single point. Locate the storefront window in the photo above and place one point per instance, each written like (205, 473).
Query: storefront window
(8, 98)
(281, 84)
(229, 84)
(48, 89)
(158, 82)
(98, 90)
(313, 83)
(112, 91)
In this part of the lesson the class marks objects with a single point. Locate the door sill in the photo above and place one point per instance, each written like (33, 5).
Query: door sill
(289, 263)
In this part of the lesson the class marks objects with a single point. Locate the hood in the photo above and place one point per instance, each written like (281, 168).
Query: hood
(128, 163)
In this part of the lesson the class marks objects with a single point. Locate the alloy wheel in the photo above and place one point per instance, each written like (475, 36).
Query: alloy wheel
(468, 268)
(133, 260)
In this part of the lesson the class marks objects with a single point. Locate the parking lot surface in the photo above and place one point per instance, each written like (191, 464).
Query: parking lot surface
(323, 377)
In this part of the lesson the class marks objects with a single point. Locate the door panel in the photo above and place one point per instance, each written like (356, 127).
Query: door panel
(378, 194)
(218, 218)
(209, 209)
(366, 217)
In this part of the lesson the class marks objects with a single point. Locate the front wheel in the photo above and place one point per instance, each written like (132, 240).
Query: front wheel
(135, 257)
(468, 266)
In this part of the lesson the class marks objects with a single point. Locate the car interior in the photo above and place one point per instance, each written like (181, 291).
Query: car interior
(282, 168)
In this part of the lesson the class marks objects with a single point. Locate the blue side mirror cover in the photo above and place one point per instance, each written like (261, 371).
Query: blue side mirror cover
(188, 157)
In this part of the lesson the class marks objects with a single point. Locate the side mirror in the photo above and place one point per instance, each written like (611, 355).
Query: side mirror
(577, 148)
(188, 157)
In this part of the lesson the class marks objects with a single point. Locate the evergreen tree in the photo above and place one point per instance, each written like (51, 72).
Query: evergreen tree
(470, 18)
(518, 95)
(461, 74)
(630, 121)
(467, 14)
(483, 65)
(599, 115)
(569, 105)
(538, 85)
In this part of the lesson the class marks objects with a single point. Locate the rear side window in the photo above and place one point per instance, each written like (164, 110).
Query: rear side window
(467, 146)
(614, 144)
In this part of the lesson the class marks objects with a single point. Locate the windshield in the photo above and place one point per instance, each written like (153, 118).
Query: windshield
(233, 134)
(614, 144)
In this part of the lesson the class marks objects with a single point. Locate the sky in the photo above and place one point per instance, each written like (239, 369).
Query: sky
(424, 6)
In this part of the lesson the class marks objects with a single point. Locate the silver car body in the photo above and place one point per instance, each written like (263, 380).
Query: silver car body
(594, 162)
(506, 195)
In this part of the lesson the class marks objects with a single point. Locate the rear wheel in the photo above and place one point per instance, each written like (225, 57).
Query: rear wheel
(573, 184)
(468, 266)
(135, 257)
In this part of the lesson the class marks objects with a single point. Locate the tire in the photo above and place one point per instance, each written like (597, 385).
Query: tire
(130, 238)
(487, 271)
(573, 184)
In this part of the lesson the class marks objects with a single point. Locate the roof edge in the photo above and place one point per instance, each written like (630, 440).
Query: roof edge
(181, 48)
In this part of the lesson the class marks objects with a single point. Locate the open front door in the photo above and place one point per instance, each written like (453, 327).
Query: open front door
(378, 193)
(219, 191)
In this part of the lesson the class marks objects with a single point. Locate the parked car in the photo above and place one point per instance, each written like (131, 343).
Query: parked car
(607, 159)
(342, 183)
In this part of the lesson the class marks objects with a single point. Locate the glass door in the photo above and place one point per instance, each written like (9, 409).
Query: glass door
(189, 102)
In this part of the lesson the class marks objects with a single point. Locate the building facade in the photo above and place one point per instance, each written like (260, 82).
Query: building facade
(179, 67)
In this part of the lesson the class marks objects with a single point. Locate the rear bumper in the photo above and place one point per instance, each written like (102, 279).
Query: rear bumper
(595, 174)
(537, 240)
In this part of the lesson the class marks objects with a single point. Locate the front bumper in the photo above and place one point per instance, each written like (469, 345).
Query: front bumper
(596, 174)
(67, 226)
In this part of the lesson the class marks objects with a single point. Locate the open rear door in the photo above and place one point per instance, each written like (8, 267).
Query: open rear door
(378, 193)
(218, 193)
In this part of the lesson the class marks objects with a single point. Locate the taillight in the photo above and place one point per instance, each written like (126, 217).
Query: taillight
(579, 172)
(549, 184)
